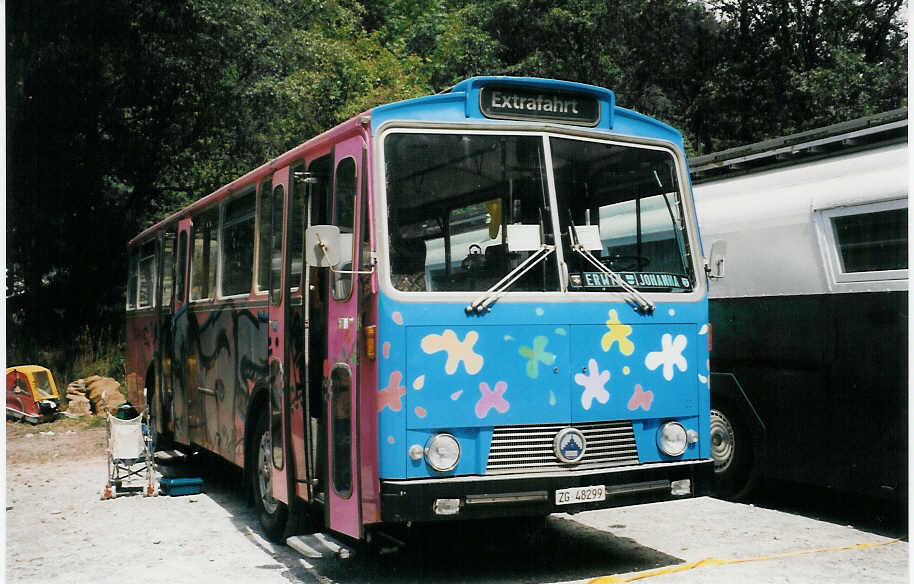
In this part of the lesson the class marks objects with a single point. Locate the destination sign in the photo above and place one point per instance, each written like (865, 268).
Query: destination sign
(636, 279)
(514, 103)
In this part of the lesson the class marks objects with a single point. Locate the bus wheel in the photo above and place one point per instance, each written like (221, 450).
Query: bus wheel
(272, 513)
(731, 450)
(159, 441)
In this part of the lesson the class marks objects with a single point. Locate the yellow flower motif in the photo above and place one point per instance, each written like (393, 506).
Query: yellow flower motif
(618, 333)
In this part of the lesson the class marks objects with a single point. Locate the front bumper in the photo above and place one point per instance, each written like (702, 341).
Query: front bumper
(534, 494)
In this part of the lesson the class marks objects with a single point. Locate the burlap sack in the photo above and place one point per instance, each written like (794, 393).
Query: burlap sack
(111, 391)
(79, 406)
(112, 400)
(77, 387)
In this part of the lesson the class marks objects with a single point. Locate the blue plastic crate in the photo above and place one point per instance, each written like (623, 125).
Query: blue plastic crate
(175, 487)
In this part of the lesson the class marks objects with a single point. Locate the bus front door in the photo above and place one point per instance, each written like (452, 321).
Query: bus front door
(277, 354)
(341, 370)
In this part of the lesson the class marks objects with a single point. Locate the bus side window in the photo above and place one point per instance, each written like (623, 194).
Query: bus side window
(264, 226)
(203, 260)
(343, 217)
(341, 430)
(168, 266)
(131, 280)
(146, 275)
(181, 267)
(238, 245)
(278, 215)
(296, 228)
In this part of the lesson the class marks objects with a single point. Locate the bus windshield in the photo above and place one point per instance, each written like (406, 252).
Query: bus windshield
(452, 198)
(626, 208)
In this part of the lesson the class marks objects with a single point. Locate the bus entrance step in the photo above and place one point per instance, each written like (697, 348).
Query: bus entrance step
(317, 545)
(170, 456)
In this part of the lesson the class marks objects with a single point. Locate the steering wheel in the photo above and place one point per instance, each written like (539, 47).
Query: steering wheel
(628, 262)
(475, 259)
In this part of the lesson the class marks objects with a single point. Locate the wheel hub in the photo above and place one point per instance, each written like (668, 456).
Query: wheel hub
(264, 477)
(723, 443)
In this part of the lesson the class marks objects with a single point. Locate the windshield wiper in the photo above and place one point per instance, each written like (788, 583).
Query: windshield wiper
(492, 294)
(642, 304)
(677, 226)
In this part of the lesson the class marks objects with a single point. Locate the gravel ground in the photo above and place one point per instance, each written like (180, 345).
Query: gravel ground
(58, 530)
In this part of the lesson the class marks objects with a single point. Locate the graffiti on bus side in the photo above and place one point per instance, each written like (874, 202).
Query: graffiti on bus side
(218, 358)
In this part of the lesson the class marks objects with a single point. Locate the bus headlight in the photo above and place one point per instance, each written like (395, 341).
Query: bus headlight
(672, 439)
(442, 452)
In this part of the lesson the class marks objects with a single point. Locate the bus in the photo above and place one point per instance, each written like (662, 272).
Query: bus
(489, 302)
(810, 323)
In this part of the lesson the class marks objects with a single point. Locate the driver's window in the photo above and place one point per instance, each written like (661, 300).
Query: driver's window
(630, 246)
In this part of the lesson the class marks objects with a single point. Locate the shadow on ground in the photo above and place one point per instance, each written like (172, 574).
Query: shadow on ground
(888, 518)
(558, 549)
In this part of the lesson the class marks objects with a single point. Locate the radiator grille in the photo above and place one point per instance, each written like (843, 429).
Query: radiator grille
(529, 448)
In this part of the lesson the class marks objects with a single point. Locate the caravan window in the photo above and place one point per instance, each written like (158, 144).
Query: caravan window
(871, 242)
(865, 243)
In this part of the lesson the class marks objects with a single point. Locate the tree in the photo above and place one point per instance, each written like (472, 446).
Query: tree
(121, 113)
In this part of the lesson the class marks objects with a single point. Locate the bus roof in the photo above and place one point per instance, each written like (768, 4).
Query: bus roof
(508, 100)
(529, 97)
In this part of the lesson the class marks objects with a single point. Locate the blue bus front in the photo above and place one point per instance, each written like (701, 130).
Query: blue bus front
(543, 309)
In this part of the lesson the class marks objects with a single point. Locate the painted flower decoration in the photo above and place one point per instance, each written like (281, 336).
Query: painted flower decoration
(641, 399)
(389, 397)
(618, 333)
(594, 385)
(669, 356)
(537, 354)
(492, 399)
(456, 349)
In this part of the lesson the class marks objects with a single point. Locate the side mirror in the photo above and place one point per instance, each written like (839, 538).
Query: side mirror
(322, 245)
(716, 263)
(524, 238)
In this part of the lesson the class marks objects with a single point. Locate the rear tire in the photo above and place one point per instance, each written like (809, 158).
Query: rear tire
(732, 452)
(273, 514)
(160, 441)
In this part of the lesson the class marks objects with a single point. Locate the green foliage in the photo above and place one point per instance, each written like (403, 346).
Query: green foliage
(120, 113)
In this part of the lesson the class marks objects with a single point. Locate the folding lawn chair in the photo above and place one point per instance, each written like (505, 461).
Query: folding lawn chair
(129, 456)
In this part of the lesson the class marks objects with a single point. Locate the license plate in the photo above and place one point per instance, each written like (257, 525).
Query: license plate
(580, 495)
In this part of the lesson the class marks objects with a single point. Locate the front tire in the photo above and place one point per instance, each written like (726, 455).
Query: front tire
(272, 513)
(732, 452)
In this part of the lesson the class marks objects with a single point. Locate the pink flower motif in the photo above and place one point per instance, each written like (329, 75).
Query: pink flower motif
(641, 399)
(491, 398)
(389, 397)
(385, 349)
(420, 411)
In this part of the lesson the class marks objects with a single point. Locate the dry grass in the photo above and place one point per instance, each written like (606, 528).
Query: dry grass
(71, 439)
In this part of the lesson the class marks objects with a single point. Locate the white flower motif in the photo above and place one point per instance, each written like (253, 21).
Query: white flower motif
(594, 385)
(670, 355)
